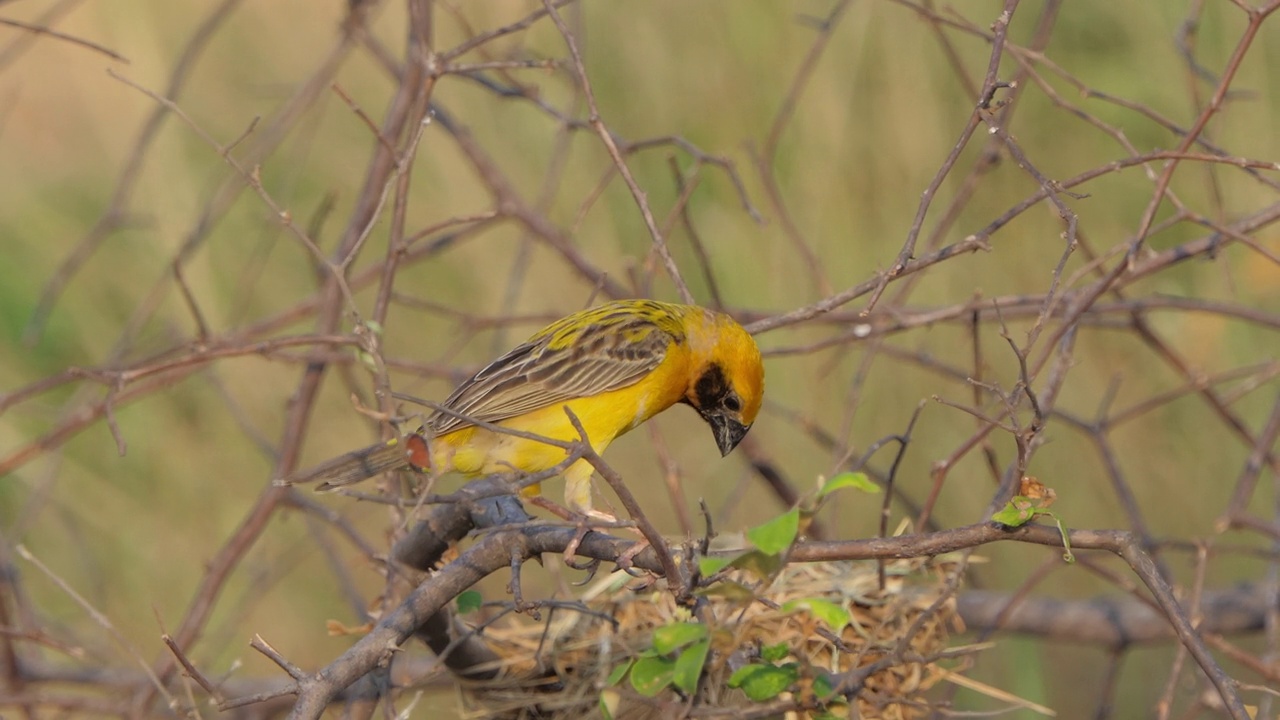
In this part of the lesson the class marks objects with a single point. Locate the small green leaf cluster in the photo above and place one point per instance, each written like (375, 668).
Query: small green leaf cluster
(676, 659)
(772, 539)
(680, 650)
(771, 675)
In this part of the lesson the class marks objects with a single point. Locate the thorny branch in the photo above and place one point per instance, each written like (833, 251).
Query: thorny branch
(1025, 393)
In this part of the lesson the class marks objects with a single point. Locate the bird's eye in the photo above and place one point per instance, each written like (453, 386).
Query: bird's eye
(732, 404)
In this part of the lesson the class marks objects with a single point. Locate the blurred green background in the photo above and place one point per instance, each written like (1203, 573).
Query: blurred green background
(881, 110)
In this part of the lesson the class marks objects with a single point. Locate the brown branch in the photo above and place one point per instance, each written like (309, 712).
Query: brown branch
(117, 208)
(42, 30)
(641, 200)
(990, 85)
(1111, 621)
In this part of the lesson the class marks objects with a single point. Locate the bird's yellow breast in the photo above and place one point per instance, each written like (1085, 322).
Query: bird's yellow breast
(477, 451)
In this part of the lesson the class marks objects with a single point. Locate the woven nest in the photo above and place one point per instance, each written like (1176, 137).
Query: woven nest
(560, 667)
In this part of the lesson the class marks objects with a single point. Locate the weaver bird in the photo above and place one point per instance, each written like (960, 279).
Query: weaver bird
(614, 366)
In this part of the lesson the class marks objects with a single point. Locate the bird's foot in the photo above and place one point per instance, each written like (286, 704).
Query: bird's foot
(584, 521)
(625, 559)
(571, 550)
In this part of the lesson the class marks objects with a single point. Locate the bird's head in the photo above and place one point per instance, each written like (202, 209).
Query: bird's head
(728, 386)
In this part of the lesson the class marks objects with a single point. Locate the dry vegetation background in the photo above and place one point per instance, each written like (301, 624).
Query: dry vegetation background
(171, 340)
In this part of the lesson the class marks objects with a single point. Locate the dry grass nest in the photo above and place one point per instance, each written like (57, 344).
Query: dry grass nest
(576, 661)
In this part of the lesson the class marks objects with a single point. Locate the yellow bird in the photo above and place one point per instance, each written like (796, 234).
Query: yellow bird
(615, 366)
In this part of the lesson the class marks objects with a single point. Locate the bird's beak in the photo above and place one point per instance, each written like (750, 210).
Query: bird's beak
(729, 432)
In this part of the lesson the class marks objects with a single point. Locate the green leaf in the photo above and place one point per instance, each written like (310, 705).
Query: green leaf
(774, 653)
(833, 615)
(824, 686)
(650, 675)
(762, 565)
(764, 682)
(844, 480)
(776, 535)
(689, 666)
(469, 601)
(708, 566)
(670, 637)
(739, 675)
(616, 676)
(1017, 512)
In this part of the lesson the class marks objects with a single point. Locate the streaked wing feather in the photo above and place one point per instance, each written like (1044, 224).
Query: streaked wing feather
(534, 375)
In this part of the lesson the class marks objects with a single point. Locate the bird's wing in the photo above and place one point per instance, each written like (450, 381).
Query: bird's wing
(572, 358)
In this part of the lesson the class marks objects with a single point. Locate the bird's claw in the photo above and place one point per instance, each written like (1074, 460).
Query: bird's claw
(582, 521)
(624, 561)
(571, 550)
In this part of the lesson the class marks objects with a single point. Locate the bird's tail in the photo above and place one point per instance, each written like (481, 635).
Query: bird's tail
(410, 453)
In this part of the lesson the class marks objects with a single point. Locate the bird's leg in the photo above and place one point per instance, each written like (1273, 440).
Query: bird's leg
(577, 495)
(558, 510)
(581, 517)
